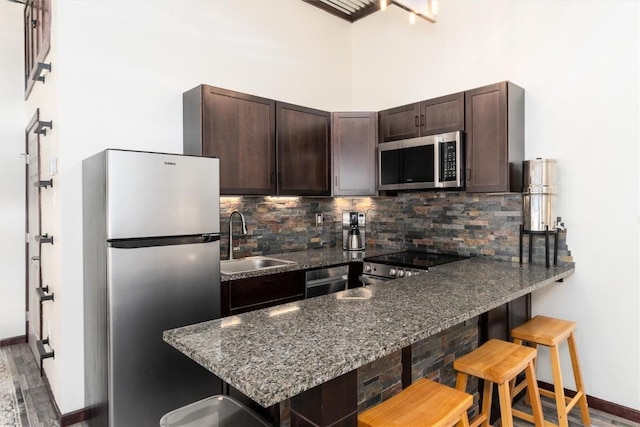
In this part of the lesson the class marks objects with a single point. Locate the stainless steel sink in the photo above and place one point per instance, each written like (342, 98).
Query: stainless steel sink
(253, 263)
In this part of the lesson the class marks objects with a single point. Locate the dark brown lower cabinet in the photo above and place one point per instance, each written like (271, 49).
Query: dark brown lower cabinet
(497, 323)
(355, 270)
(334, 403)
(240, 296)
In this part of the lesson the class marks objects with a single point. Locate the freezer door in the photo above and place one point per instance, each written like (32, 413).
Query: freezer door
(150, 290)
(155, 194)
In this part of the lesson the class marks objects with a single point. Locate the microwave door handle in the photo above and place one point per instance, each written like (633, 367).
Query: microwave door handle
(438, 178)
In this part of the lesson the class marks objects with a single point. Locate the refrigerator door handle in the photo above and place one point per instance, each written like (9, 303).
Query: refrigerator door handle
(148, 242)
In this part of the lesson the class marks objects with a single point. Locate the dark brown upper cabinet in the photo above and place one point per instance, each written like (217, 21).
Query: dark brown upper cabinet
(37, 39)
(494, 138)
(354, 139)
(237, 128)
(265, 147)
(303, 142)
(433, 116)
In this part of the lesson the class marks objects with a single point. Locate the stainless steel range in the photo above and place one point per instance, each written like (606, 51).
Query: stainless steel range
(396, 265)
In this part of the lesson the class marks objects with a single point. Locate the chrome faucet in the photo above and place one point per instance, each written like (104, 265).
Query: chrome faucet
(244, 231)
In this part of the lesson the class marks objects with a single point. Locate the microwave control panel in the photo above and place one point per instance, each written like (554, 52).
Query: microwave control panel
(448, 161)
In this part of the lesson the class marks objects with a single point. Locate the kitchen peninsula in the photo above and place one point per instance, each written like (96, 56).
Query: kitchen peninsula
(306, 350)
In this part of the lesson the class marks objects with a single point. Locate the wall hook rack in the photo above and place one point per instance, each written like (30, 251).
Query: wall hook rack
(41, 127)
(44, 184)
(44, 238)
(39, 69)
(44, 354)
(43, 293)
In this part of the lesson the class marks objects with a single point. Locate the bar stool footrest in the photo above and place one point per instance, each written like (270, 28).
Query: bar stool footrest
(478, 420)
(528, 417)
(572, 402)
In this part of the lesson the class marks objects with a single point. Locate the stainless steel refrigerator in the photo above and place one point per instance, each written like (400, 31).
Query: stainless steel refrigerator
(151, 224)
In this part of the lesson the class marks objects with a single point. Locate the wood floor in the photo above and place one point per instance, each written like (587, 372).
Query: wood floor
(598, 418)
(31, 391)
(39, 410)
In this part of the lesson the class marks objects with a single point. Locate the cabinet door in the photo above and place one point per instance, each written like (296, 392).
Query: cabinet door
(237, 128)
(304, 151)
(494, 125)
(240, 296)
(443, 114)
(486, 126)
(354, 141)
(399, 123)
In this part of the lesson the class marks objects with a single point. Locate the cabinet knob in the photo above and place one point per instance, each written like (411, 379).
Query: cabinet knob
(417, 119)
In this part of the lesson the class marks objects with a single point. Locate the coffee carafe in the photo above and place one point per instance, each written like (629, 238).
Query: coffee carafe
(353, 231)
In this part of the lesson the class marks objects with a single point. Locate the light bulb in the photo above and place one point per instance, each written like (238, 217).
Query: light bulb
(412, 17)
(383, 5)
(434, 7)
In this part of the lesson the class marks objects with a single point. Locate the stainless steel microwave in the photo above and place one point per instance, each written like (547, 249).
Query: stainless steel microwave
(434, 161)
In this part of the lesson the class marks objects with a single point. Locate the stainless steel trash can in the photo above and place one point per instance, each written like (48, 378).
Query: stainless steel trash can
(214, 411)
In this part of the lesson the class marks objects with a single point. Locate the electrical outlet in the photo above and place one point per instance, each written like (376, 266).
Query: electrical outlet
(319, 219)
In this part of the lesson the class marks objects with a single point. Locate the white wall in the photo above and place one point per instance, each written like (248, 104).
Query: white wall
(121, 73)
(578, 62)
(12, 173)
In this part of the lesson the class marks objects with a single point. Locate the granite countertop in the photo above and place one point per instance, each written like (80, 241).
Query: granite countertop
(276, 353)
(307, 260)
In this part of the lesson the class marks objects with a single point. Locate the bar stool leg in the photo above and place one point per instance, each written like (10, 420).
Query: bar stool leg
(517, 388)
(485, 411)
(464, 422)
(506, 416)
(536, 417)
(577, 375)
(487, 396)
(534, 395)
(461, 382)
(558, 386)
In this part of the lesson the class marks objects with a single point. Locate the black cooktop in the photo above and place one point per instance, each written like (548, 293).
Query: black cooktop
(414, 259)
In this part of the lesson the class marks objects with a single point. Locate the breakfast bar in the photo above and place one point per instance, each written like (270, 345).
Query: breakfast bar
(306, 350)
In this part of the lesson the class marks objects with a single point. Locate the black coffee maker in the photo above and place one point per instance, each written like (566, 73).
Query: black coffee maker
(353, 231)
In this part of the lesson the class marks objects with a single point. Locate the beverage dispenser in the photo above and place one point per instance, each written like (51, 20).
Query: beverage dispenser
(539, 195)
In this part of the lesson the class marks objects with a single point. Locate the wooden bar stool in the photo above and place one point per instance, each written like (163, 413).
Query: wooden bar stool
(424, 403)
(499, 362)
(551, 332)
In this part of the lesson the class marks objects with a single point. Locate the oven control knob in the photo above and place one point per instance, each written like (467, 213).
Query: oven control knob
(409, 273)
(392, 272)
(400, 273)
(415, 273)
(367, 268)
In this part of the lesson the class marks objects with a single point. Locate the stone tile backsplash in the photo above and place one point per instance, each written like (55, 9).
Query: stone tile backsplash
(450, 221)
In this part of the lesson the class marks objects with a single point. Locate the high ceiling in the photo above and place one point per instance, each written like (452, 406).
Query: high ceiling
(350, 10)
